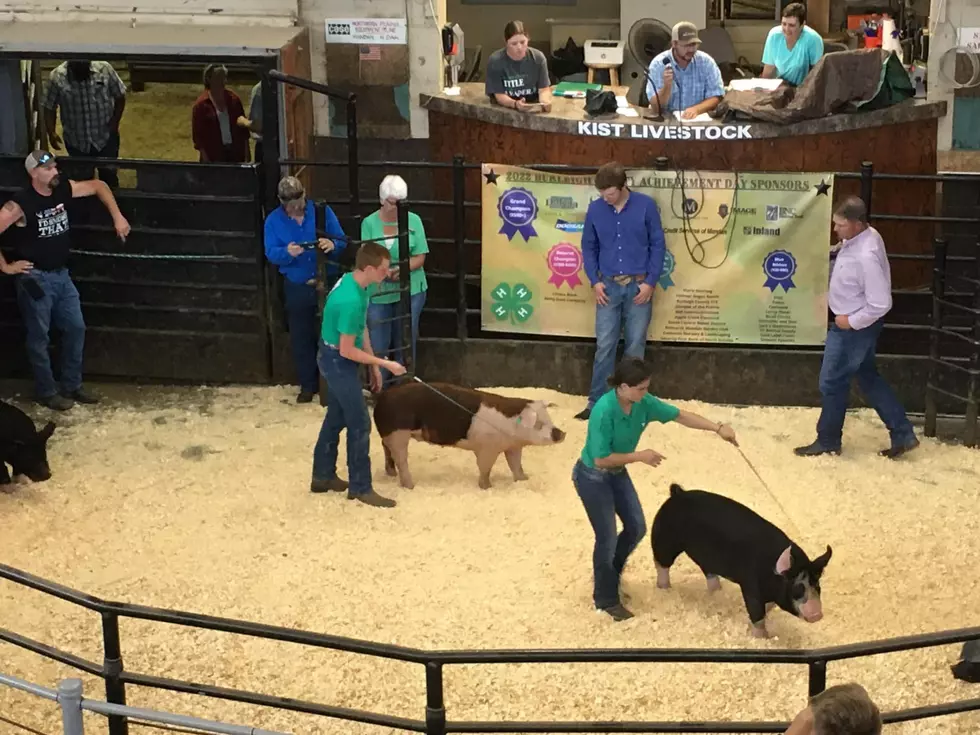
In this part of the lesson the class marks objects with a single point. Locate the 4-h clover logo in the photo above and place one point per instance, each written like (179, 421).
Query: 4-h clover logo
(512, 302)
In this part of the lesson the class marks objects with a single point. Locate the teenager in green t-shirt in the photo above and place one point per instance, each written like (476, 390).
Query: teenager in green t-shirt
(603, 484)
(382, 226)
(345, 343)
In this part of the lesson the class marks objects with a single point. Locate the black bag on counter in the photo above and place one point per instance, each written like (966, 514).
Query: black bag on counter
(600, 102)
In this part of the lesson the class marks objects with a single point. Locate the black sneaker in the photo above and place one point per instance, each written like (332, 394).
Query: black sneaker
(617, 612)
(56, 402)
(898, 451)
(373, 499)
(304, 396)
(334, 484)
(814, 450)
(80, 396)
(584, 414)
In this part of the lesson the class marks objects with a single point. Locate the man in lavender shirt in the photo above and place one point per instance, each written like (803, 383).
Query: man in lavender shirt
(860, 296)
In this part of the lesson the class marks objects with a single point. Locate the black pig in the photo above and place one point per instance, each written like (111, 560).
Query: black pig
(22, 446)
(727, 539)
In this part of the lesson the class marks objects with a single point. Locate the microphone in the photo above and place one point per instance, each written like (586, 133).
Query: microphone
(659, 117)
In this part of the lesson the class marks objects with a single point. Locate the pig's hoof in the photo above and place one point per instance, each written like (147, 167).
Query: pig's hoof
(663, 585)
(714, 584)
(760, 632)
(391, 471)
(484, 484)
(520, 478)
(408, 484)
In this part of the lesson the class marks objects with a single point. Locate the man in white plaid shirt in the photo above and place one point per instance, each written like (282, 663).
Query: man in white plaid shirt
(91, 97)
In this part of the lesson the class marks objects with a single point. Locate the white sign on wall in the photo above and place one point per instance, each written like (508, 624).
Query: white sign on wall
(367, 31)
(970, 37)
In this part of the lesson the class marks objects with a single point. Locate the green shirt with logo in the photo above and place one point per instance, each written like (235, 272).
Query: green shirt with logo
(345, 311)
(613, 432)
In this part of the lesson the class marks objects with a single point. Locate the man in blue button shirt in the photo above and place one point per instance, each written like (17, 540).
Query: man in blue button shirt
(686, 79)
(288, 225)
(623, 247)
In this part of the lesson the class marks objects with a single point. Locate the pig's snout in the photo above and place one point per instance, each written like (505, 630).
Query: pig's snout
(557, 435)
(811, 611)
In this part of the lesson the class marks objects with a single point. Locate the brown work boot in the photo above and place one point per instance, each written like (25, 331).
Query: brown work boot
(334, 484)
(373, 499)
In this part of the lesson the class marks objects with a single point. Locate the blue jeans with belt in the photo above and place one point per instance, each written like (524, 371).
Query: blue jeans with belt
(301, 303)
(849, 353)
(345, 410)
(606, 495)
(619, 315)
(58, 307)
(386, 335)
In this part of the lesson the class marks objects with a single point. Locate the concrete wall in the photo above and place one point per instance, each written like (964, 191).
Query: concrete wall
(424, 57)
(945, 31)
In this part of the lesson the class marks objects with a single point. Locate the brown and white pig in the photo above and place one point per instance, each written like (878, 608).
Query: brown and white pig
(489, 426)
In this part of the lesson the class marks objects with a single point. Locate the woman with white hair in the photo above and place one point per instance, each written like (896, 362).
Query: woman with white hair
(382, 226)
(291, 223)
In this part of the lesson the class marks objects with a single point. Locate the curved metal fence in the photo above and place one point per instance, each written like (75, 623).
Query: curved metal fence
(435, 721)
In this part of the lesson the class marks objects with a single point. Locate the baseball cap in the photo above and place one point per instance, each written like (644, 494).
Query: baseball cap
(685, 32)
(38, 158)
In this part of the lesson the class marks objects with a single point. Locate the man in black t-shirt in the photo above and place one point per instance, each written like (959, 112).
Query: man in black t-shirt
(45, 292)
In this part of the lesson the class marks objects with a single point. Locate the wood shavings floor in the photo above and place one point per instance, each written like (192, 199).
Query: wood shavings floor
(197, 499)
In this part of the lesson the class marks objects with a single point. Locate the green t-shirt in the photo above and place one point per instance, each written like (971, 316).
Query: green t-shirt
(372, 228)
(613, 432)
(345, 311)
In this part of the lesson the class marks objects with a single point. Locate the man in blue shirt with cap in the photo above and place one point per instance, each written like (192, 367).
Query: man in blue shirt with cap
(292, 223)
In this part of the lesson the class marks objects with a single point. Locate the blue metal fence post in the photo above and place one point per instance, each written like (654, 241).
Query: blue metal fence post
(112, 667)
(938, 294)
(435, 707)
(459, 234)
(818, 677)
(70, 701)
(407, 357)
(867, 176)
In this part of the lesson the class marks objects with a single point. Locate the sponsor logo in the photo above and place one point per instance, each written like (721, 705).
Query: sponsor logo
(775, 212)
(562, 202)
(767, 231)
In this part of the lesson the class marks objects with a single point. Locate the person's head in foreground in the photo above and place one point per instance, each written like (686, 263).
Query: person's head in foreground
(844, 709)
(850, 218)
(373, 260)
(610, 180)
(631, 379)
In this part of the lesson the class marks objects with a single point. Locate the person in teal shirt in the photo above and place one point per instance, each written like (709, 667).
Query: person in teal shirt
(791, 49)
(382, 226)
(616, 423)
(345, 344)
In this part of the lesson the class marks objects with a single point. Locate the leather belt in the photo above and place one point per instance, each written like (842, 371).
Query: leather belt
(626, 279)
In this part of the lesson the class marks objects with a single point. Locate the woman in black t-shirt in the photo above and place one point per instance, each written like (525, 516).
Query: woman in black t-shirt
(517, 75)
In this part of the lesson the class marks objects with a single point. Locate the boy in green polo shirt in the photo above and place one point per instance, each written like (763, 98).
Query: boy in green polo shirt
(603, 484)
(345, 343)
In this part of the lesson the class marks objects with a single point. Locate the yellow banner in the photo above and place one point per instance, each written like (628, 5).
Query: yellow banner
(747, 256)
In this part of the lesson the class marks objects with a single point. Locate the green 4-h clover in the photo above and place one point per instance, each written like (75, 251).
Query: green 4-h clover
(512, 302)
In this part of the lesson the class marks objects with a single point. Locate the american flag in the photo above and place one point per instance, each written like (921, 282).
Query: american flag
(370, 53)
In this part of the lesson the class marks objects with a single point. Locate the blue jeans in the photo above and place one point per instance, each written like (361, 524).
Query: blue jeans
(849, 353)
(107, 173)
(61, 308)
(605, 496)
(303, 333)
(345, 410)
(386, 335)
(609, 323)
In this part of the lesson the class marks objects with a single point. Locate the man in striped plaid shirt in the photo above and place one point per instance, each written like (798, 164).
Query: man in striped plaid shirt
(91, 97)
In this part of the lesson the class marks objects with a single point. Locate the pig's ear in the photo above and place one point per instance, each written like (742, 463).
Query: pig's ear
(821, 561)
(528, 417)
(785, 561)
(47, 431)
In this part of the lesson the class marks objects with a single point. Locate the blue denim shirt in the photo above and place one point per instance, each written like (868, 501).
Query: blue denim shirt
(629, 242)
(281, 229)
